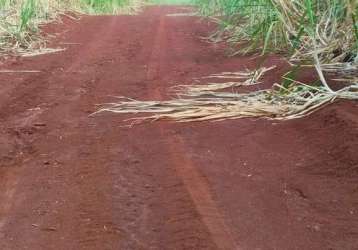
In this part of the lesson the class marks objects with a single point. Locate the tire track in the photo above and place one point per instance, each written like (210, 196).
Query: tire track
(194, 182)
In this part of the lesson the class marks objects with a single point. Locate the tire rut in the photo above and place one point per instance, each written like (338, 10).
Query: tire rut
(193, 182)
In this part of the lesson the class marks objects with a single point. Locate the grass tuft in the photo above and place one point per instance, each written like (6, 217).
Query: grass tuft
(20, 19)
(172, 2)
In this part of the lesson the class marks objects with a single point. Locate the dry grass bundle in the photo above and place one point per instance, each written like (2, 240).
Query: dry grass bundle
(277, 103)
(197, 103)
(249, 77)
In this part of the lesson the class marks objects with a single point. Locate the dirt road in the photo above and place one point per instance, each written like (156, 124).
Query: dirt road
(70, 181)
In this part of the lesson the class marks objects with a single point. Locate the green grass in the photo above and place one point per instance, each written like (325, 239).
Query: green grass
(289, 26)
(314, 32)
(103, 6)
(172, 2)
(20, 19)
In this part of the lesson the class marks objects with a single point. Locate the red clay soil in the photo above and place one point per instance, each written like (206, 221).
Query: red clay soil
(70, 181)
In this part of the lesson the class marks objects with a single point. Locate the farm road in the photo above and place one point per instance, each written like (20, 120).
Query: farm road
(72, 181)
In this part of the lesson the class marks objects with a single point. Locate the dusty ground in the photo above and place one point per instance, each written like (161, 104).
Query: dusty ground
(70, 181)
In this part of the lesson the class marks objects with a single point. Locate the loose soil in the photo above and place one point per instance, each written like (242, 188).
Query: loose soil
(73, 181)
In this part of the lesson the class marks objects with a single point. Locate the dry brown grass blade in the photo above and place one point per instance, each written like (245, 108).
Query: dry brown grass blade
(38, 52)
(20, 71)
(248, 78)
(208, 104)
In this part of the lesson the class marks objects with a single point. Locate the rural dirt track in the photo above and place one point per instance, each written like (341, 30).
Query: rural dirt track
(70, 181)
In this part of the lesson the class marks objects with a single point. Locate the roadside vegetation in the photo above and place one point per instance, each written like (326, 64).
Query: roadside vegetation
(172, 2)
(106, 6)
(298, 28)
(317, 34)
(20, 20)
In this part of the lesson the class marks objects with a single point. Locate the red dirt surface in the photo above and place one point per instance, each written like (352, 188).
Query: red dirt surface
(71, 181)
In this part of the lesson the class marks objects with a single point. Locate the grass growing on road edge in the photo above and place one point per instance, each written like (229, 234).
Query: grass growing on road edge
(172, 2)
(297, 28)
(107, 6)
(20, 19)
(321, 33)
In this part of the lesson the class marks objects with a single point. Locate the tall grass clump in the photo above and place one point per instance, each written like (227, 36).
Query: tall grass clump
(103, 6)
(171, 2)
(320, 33)
(20, 19)
(294, 27)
